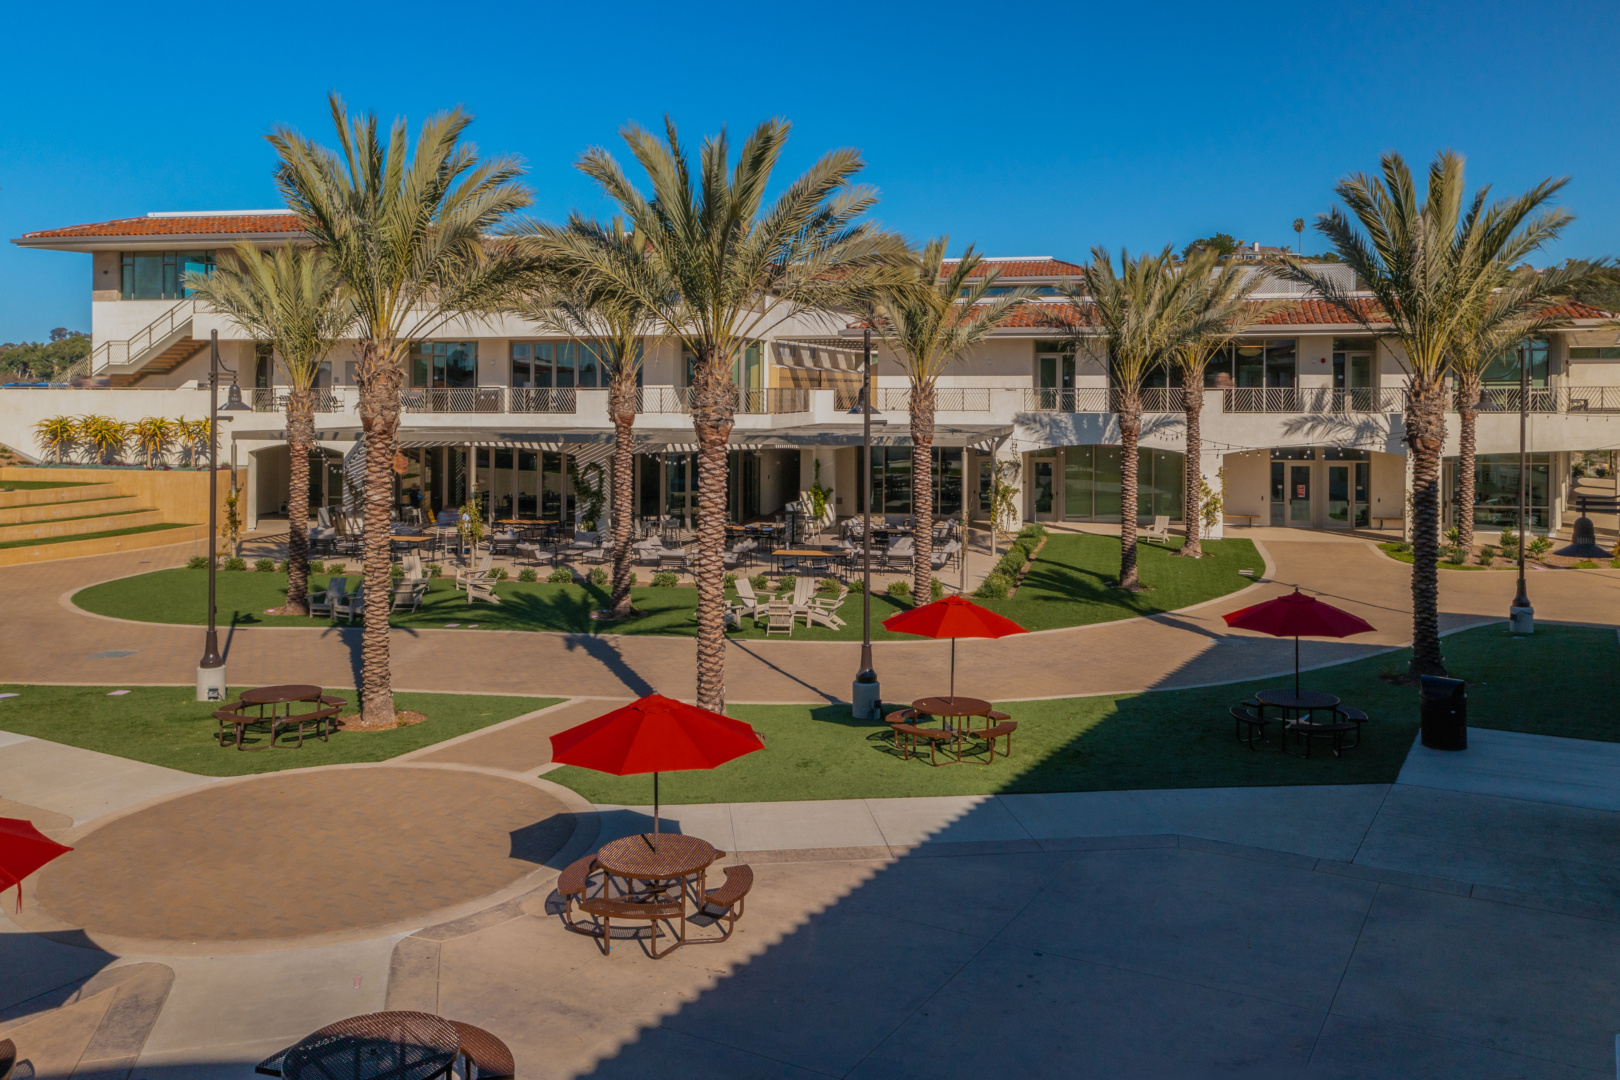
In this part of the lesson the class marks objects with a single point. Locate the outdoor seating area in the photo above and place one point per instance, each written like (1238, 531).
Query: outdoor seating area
(273, 716)
(956, 718)
(395, 1046)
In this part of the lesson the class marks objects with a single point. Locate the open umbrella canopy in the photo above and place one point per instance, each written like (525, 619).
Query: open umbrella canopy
(1298, 615)
(654, 734)
(952, 617)
(23, 849)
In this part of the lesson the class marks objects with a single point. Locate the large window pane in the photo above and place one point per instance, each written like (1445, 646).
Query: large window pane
(461, 364)
(565, 365)
(1077, 482)
(1107, 501)
(1251, 365)
(521, 356)
(1280, 355)
(947, 480)
(1168, 481)
(587, 368)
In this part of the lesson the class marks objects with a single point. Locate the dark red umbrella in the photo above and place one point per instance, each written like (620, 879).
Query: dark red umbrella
(953, 617)
(653, 735)
(1297, 615)
(23, 849)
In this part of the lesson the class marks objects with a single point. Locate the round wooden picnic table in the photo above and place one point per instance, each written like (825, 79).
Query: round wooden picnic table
(954, 707)
(395, 1045)
(675, 856)
(1291, 703)
(281, 695)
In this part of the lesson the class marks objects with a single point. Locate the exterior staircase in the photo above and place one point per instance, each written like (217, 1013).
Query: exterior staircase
(157, 349)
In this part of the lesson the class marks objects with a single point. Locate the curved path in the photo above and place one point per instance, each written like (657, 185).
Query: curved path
(44, 638)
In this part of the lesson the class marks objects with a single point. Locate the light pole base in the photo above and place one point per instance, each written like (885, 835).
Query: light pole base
(211, 683)
(865, 699)
(1521, 619)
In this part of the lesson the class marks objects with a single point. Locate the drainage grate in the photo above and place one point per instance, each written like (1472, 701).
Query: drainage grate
(113, 654)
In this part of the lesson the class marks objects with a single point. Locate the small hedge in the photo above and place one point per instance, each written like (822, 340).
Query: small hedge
(561, 576)
(200, 562)
(760, 582)
(899, 587)
(528, 576)
(236, 563)
(994, 587)
(666, 579)
(936, 589)
(598, 577)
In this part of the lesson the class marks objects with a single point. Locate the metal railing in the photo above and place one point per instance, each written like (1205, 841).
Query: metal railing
(453, 399)
(1099, 399)
(897, 399)
(678, 399)
(542, 399)
(1314, 399)
(328, 399)
(121, 352)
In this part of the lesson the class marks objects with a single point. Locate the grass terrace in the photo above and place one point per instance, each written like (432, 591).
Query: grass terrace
(1067, 586)
(36, 485)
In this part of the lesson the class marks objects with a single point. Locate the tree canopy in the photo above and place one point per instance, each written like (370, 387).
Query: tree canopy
(42, 361)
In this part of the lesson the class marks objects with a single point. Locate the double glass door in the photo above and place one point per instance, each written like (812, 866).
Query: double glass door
(1347, 495)
(1294, 493)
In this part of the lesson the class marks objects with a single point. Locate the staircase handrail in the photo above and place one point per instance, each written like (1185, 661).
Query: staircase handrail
(162, 326)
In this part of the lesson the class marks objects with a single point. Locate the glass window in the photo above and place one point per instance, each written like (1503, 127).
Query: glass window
(503, 458)
(444, 363)
(565, 364)
(1251, 365)
(1504, 370)
(1586, 352)
(1496, 490)
(528, 461)
(1077, 482)
(1106, 500)
(160, 275)
(1280, 356)
(1221, 367)
(586, 366)
(522, 360)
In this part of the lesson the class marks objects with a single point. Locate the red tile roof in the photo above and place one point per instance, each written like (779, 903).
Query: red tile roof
(189, 225)
(1023, 268)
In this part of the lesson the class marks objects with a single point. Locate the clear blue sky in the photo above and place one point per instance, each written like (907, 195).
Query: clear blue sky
(1026, 129)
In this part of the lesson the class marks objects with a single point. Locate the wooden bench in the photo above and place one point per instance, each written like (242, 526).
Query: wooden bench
(1257, 725)
(1378, 520)
(607, 910)
(1003, 730)
(933, 736)
(572, 885)
(1250, 518)
(728, 900)
(234, 715)
(1334, 730)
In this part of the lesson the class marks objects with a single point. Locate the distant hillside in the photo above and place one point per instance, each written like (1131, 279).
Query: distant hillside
(42, 361)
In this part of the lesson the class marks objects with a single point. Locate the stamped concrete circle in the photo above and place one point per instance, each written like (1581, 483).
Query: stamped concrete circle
(303, 853)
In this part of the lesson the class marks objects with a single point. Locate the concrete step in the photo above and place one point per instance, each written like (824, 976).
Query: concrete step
(195, 535)
(76, 526)
(45, 496)
(19, 515)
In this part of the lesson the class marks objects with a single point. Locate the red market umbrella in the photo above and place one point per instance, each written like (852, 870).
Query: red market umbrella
(653, 735)
(953, 617)
(23, 849)
(1297, 615)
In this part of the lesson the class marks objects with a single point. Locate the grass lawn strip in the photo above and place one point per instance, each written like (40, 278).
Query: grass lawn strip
(38, 485)
(1162, 739)
(166, 725)
(95, 535)
(1066, 586)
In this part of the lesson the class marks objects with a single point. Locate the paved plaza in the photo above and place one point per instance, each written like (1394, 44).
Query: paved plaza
(1461, 922)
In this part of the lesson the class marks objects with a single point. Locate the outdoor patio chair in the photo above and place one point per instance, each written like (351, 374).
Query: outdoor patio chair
(320, 603)
(943, 556)
(1256, 725)
(726, 902)
(1159, 531)
(466, 574)
(324, 516)
(481, 589)
(750, 603)
(408, 595)
(803, 589)
(779, 619)
(607, 910)
(824, 612)
(503, 543)
(350, 604)
(526, 553)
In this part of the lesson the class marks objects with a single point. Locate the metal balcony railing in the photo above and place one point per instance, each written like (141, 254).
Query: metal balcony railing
(542, 399)
(1099, 399)
(897, 399)
(1316, 400)
(678, 399)
(453, 399)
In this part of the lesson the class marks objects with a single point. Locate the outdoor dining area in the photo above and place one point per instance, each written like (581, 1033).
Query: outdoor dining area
(275, 712)
(1303, 716)
(393, 1046)
(655, 882)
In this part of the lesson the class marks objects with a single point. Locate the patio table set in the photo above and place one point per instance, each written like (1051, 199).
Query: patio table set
(269, 711)
(392, 1046)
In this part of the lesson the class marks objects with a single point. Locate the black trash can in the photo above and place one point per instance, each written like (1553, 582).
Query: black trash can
(1445, 713)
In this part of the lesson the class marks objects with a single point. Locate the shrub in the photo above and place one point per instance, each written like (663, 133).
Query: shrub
(236, 563)
(635, 579)
(857, 586)
(994, 587)
(434, 570)
(500, 573)
(283, 566)
(899, 587)
(731, 581)
(317, 568)
(1013, 561)
(1456, 556)
(1586, 564)
(786, 582)
(200, 562)
(334, 568)
(1538, 547)
(666, 579)
(528, 576)
(1033, 530)
(396, 571)
(264, 566)
(936, 589)
(1453, 534)
(598, 577)
(829, 584)
(561, 576)
(759, 581)
(1510, 538)
(1402, 547)
(1614, 563)
(1486, 554)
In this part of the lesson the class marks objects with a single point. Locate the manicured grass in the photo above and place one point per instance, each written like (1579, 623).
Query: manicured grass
(1066, 586)
(93, 535)
(1394, 551)
(36, 485)
(1165, 739)
(166, 725)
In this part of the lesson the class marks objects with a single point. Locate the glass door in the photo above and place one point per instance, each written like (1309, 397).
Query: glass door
(1279, 493)
(1045, 468)
(1360, 514)
(1339, 503)
(1057, 383)
(1299, 494)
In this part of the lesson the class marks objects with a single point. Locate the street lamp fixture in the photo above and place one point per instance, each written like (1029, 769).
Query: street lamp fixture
(866, 695)
(211, 668)
(1521, 616)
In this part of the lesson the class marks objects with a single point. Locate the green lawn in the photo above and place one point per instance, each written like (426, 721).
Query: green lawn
(1165, 739)
(92, 535)
(36, 485)
(166, 725)
(1066, 586)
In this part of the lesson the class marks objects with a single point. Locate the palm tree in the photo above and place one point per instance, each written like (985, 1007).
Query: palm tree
(928, 321)
(737, 267)
(408, 234)
(1521, 307)
(293, 301)
(1144, 314)
(1219, 308)
(578, 292)
(1431, 268)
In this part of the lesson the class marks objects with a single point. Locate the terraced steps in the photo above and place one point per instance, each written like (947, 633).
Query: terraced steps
(31, 496)
(132, 518)
(67, 510)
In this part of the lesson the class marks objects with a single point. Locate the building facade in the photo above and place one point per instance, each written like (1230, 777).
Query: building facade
(1301, 421)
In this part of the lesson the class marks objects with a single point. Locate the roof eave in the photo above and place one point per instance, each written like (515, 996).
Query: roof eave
(87, 244)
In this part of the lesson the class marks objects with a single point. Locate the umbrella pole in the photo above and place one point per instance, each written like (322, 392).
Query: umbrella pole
(953, 671)
(1296, 665)
(655, 808)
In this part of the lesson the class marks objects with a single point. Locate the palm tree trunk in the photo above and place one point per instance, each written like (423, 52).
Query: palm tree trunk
(713, 406)
(1425, 437)
(623, 408)
(379, 417)
(1468, 395)
(1192, 502)
(922, 492)
(1130, 428)
(300, 437)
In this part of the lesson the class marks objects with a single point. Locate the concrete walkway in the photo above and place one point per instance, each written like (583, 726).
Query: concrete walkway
(45, 637)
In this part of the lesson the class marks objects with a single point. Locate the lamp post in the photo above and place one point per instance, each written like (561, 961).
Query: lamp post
(866, 694)
(211, 668)
(1521, 616)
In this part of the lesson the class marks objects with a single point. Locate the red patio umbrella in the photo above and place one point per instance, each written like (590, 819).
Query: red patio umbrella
(953, 617)
(652, 735)
(1297, 615)
(23, 849)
